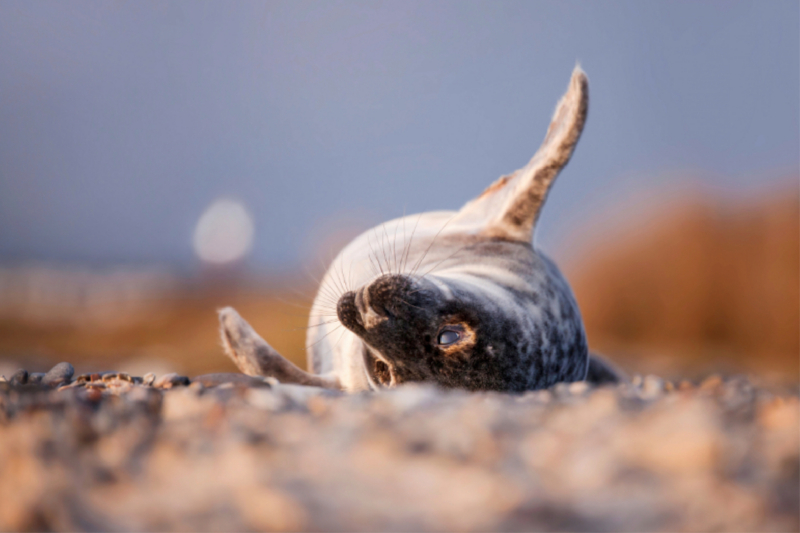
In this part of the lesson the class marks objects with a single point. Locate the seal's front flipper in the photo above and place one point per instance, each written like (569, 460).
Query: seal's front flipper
(254, 357)
(602, 372)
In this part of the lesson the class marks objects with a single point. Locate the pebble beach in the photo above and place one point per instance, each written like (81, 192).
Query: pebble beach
(110, 451)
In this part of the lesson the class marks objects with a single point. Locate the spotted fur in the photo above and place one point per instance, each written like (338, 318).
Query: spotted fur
(379, 317)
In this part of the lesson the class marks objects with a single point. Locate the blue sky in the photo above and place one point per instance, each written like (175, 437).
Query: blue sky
(120, 122)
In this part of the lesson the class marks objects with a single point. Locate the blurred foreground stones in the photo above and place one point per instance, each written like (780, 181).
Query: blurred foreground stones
(115, 452)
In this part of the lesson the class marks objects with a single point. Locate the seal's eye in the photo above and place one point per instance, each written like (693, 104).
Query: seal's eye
(448, 336)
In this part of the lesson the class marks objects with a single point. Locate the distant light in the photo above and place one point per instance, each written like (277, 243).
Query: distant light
(224, 232)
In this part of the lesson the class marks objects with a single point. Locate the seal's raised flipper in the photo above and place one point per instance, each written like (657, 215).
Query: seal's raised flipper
(602, 372)
(509, 208)
(254, 357)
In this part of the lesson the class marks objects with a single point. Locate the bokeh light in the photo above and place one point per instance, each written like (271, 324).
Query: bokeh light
(224, 233)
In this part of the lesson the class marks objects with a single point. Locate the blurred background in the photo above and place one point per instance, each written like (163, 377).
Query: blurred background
(159, 160)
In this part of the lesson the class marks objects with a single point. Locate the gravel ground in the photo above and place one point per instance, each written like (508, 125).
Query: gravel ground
(110, 452)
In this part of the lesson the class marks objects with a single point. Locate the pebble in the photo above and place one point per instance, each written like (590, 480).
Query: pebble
(540, 396)
(561, 390)
(94, 394)
(652, 387)
(578, 388)
(711, 383)
(149, 379)
(36, 377)
(265, 399)
(117, 376)
(20, 377)
(168, 381)
(60, 374)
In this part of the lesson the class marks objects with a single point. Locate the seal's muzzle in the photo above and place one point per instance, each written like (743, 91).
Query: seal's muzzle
(364, 309)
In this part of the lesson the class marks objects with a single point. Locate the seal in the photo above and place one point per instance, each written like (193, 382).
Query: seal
(462, 299)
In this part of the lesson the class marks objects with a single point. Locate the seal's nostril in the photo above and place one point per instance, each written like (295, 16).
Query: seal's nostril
(386, 293)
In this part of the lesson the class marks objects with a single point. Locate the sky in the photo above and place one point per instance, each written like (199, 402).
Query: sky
(121, 122)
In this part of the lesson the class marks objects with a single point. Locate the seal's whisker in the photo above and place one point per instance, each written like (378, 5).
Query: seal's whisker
(327, 295)
(313, 325)
(403, 248)
(323, 337)
(410, 240)
(370, 255)
(374, 254)
(383, 249)
(323, 291)
(428, 249)
(442, 261)
(283, 300)
(393, 247)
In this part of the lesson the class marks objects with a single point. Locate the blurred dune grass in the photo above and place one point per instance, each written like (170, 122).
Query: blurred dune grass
(174, 329)
(711, 285)
(707, 286)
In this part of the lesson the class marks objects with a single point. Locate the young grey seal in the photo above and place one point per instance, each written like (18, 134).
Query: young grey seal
(461, 299)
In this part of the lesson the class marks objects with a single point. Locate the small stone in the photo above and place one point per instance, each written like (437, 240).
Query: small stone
(669, 386)
(652, 387)
(149, 379)
(94, 394)
(168, 381)
(685, 385)
(60, 374)
(637, 380)
(578, 388)
(20, 377)
(711, 383)
(561, 390)
(36, 377)
(265, 399)
(542, 396)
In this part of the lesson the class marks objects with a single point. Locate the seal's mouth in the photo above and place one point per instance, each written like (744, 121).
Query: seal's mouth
(380, 371)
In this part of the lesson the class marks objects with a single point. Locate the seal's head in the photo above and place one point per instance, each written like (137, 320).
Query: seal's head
(493, 313)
